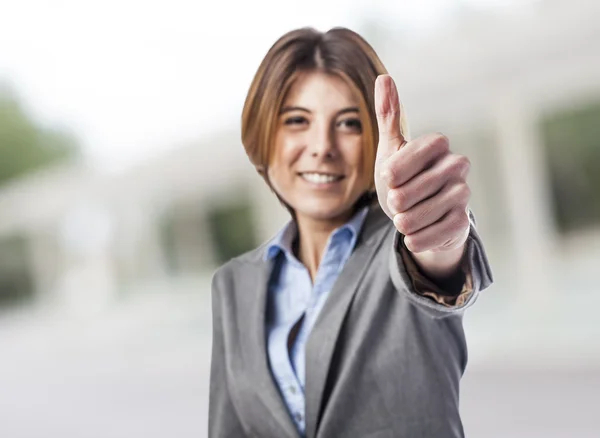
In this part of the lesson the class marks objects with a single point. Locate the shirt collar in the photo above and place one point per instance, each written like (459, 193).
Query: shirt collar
(283, 241)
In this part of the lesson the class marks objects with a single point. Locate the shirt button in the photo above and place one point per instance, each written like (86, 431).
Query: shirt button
(298, 417)
(293, 389)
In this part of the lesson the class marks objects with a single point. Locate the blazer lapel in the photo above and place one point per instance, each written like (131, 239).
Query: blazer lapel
(323, 337)
(256, 353)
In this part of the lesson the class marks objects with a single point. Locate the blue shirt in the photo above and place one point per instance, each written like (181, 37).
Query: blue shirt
(293, 297)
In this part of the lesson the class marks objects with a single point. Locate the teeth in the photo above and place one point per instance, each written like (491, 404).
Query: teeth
(319, 178)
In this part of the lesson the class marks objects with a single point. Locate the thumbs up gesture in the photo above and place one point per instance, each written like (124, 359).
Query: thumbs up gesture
(421, 185)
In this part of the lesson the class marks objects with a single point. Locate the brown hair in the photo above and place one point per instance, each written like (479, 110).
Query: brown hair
(338, 51)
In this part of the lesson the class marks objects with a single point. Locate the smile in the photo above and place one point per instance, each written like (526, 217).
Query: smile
(321, 178)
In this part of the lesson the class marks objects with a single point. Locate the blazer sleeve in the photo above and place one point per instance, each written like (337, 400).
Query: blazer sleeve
(424, 293)
(223, 421)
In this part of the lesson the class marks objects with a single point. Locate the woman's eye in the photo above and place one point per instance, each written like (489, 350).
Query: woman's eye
(298, 120)
(352, 124)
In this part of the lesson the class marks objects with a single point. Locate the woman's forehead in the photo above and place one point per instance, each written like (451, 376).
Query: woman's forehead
(316, 90)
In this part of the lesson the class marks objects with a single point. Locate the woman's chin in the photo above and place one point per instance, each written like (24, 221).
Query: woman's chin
(324, 211)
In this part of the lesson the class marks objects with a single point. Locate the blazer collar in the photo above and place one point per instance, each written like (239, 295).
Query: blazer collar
(284, 240)
(322, 340)
(254, 351)
(323, 337)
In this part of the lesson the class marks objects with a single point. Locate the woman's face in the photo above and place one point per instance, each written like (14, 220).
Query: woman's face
(316, 166)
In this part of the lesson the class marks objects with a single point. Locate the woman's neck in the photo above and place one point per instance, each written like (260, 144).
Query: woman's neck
(312, 240)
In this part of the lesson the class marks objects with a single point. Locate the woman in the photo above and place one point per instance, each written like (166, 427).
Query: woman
(348, 323)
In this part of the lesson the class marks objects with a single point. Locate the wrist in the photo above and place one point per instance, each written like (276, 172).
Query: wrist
(441, 266)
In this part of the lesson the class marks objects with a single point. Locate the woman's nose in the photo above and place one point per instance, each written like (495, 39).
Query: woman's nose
(323, 144)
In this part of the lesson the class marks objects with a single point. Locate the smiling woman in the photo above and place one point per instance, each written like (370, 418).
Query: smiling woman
(317, 141)
(317, 163)
(334, 328)
(343, 58)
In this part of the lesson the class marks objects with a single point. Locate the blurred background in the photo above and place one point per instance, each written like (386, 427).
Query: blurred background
(123, 185)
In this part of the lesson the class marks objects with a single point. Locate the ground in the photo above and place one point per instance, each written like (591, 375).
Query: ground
(141, 367)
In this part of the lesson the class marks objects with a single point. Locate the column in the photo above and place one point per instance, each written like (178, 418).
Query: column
(525, 176)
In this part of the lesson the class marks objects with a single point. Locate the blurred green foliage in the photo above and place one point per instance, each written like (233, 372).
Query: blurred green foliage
(15, 279)
(572, 140)
(24, 144)
(232, 229)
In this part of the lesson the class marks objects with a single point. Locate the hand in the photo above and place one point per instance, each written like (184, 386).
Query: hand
(420, 184)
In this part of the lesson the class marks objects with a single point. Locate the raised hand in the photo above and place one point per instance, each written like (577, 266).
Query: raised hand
(421, 185)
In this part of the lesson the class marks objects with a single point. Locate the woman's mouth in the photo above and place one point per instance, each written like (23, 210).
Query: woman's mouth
(320, 178)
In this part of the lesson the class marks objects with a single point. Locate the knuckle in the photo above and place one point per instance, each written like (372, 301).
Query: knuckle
(462, 164)
(466, 162)
(466, 193)
(388, 172)
(457, 193)
(462, 192)
(412, 244)
(439, 143)
(460, 220)
(398, 200)
(459, 165)
(403, 223)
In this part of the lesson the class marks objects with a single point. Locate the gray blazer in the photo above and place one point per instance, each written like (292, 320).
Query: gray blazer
(381, 360)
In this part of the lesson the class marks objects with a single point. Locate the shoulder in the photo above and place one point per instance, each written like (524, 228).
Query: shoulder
(228, 277)
(253, 257)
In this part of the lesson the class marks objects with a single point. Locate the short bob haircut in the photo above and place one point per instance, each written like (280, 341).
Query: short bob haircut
(340, 52)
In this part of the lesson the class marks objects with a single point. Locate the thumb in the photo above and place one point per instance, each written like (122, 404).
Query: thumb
(388, 111)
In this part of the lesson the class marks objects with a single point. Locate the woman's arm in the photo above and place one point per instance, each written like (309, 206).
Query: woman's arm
(443, 268)
(439, 298)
